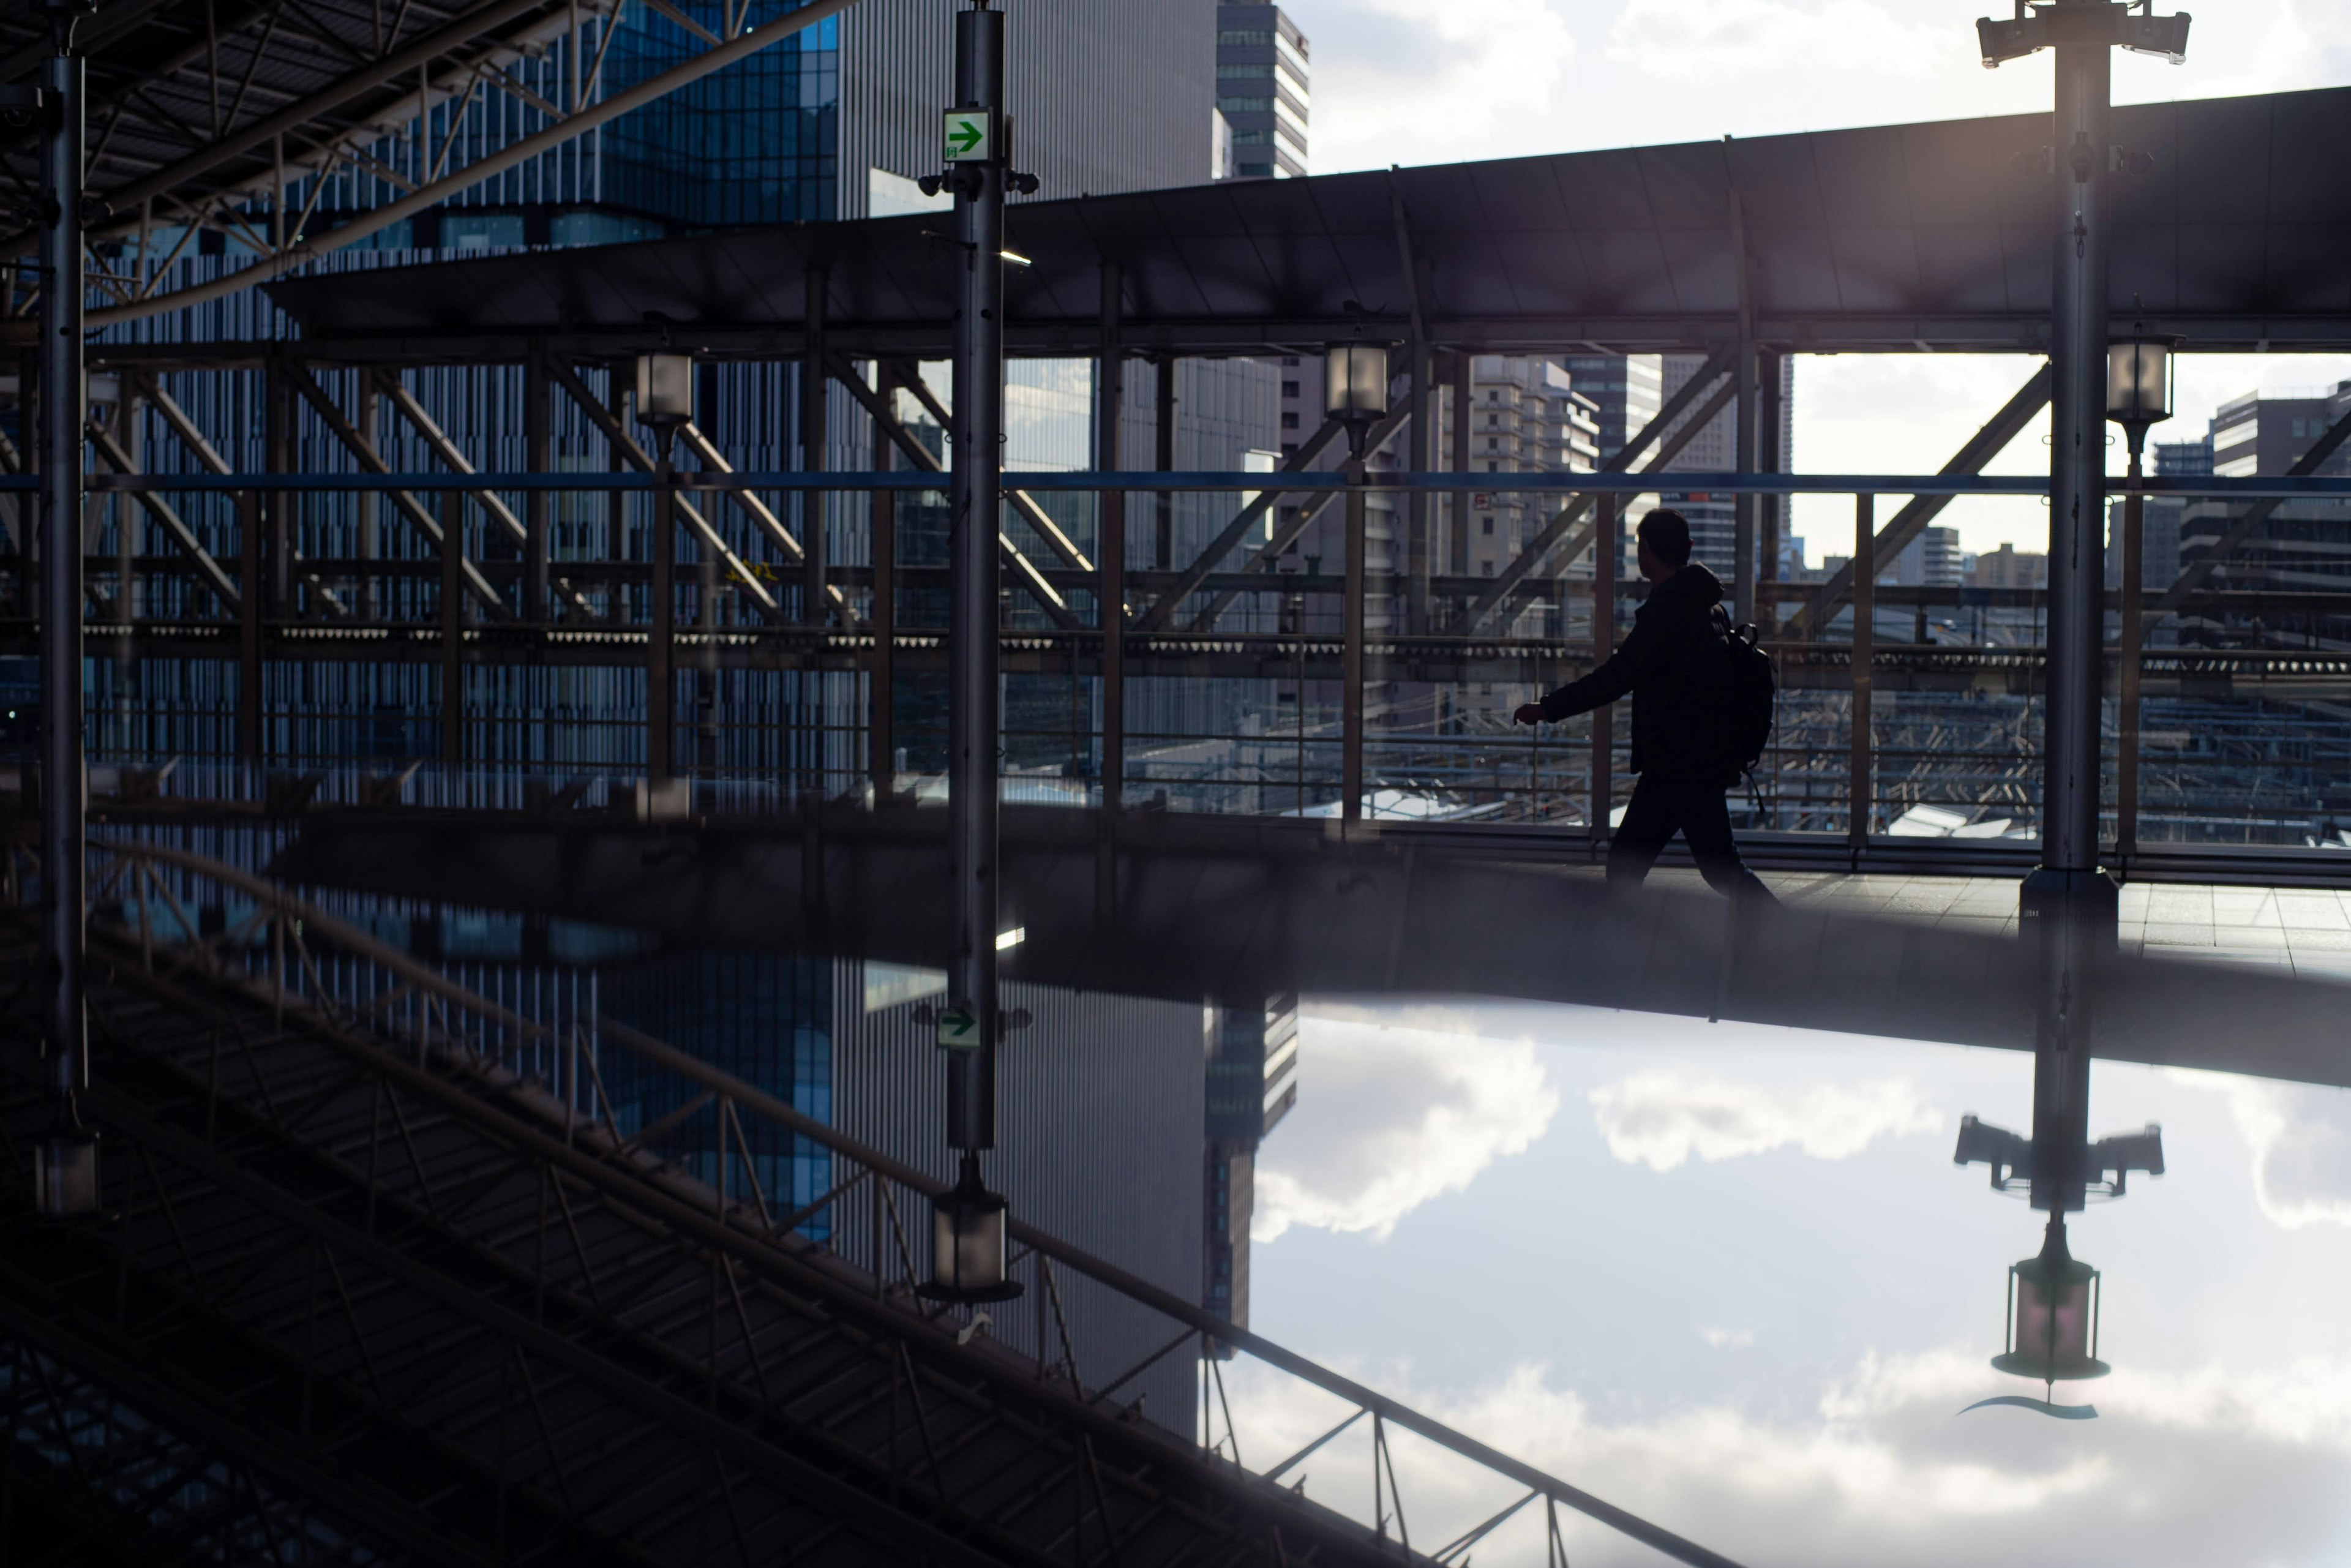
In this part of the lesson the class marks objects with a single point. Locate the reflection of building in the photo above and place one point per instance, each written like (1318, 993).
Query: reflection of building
(1252, 1082)
(1262, 81)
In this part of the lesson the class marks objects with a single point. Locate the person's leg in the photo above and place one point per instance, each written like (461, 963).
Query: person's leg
(1705, 821)
(1649, 822)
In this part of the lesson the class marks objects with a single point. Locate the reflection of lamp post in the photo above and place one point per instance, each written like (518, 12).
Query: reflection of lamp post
(967, 1225)
(665, 402)
(2138, 394)
(2052, 1316)
(2053, 1300)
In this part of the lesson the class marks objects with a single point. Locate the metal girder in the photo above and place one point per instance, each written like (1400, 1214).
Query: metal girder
(307, 386)
(1508, 579)
(434, 192)
(1205, 563)
(1907, 524)
(1059, 542)
(605, 420)
(389, 383)
(208, 571)
(209, 456)
(2242, 527)
(1024, 570)
(758, 510)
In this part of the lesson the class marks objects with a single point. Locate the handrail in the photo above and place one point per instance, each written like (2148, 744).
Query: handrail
(744, 1095)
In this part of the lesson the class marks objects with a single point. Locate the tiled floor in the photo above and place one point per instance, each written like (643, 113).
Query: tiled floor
(2305, 930)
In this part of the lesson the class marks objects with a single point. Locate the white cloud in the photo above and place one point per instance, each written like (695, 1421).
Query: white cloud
(1882, 1470)
(1661, 1119)
(1727, 1339)
(1713, 41)
(1397, 1117)
(2300, 1142)
(1454, 80)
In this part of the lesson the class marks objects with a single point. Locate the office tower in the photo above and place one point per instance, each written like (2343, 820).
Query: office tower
(1715, 450)
(1252, 1082)
(1931, 560)
(2305, 543)
(1261, 89)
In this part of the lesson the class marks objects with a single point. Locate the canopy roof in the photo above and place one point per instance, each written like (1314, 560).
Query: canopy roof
(1934, 234)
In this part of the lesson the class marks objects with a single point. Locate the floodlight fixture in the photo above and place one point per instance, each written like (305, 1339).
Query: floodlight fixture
(2049, 24)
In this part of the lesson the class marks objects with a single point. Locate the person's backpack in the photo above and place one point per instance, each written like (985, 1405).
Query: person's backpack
(1754, 686)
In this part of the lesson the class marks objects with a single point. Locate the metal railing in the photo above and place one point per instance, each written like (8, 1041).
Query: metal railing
(868, 1217)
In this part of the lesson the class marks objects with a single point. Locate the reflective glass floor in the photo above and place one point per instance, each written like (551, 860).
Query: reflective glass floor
(1729, 1277)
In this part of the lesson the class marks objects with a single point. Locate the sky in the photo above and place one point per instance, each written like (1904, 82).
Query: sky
(1729, 1277)
(1431, 81)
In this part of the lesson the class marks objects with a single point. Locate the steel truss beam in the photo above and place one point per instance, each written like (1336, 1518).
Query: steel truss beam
(770, 609)
(1024, 571)
(1912, 520)
(1528, 559)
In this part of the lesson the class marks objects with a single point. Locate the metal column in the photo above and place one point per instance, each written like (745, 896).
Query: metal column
(1865, 655)
(1110, 543)
(814, 435)
(1422, 457)
(1771, 457)
(973, 506)
(660, 682)
(1351, 662)
(1164, 459)
(2077, 488)
(1458, 552)
(1608, 549)
(1743, 375)
(2134, 650)
(537, 423)
(882, 615)
(66, 1172)
(452, 627)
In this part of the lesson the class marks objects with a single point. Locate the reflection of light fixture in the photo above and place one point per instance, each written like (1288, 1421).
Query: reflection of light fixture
(2052, 1317)
(1355, 387)
(665, 389)
(967, 1242)
(1016, 258)
(2138, 383)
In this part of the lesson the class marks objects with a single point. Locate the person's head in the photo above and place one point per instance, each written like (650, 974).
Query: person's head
(1662, 543)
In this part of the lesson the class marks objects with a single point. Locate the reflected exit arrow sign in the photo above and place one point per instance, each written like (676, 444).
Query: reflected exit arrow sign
(970, 135)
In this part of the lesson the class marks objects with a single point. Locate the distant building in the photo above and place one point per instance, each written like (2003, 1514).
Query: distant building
(1252, 1061)
(2303, 544)
(1261, 91)
(1714, 450)
(1931, 560)
(2009, 566)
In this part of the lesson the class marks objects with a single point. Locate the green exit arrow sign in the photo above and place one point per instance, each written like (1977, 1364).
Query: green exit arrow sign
(958, 1028)
(970, 135)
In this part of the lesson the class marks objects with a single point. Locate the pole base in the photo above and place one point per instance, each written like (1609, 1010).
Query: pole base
(2091, 898)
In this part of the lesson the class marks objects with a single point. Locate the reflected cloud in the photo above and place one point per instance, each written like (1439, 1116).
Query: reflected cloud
(1690, 41)
(1662, 1119)
(1883, 1472)
(2301, 1140)
(1397, 1117)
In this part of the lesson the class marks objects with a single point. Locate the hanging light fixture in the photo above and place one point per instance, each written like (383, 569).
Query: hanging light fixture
(1355, 387)
(2139, 381)
(967, 1225)
(2052, 1316)
(665, 389)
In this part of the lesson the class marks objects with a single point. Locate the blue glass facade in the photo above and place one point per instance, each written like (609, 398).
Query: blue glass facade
(754, 143)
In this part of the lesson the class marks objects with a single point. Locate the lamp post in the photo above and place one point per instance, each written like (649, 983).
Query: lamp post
(1356, 394)
(65, 1178)
(664, 401)
(2138, 394)
(967, 1225)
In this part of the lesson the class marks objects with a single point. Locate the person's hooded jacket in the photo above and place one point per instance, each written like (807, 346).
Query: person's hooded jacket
(1675, 665)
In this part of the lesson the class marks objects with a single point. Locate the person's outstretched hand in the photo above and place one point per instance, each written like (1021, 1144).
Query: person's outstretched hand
(1529, 713)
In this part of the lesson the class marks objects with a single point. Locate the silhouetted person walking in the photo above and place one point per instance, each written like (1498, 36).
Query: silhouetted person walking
(1677, 667)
